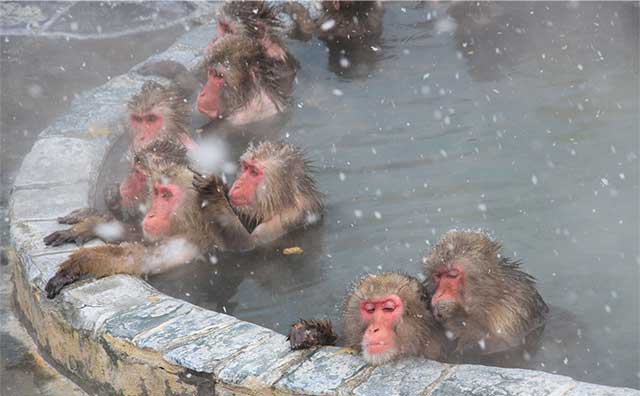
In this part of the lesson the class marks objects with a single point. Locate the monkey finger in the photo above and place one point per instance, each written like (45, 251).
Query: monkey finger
(82, 239)
(77, 216)
(60, 280)
(57, 238)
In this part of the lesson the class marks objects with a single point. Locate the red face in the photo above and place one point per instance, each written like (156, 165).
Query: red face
(146, 126)
(210, 100)
(449, 283)
(134, 188)
(381, 317)
(166, 200)
(244, 189)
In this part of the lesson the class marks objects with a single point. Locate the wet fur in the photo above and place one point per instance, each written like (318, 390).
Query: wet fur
(501, 304)
(288, 182)
(310, 333)
(417, 334)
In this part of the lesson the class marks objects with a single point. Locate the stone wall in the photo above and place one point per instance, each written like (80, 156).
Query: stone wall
(118, 335)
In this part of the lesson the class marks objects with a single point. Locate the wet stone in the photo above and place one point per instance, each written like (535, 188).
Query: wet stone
(148, 316)
(262, 365)
(60, 161)
(189, 58)
(583, 389)
(27, 236)
(46, 266)
(323, 373)
(489, 381)
(205, 353)
(198, 39)
(89, 306)
(405, 377)
(195, 320)
(50, 204)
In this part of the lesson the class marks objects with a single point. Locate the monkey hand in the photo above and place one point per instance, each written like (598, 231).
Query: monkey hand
(77, 216)
(209, 186)
(164, 68)
(80, 233)
(310, 333)
(63, 277)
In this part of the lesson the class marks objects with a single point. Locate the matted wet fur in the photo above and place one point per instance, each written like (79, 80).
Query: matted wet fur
(500, 304)
(247, 70)
(310, 333)
(168, 100)
(288, 182)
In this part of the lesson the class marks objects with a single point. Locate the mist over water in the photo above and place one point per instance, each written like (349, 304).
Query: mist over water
(519, 118)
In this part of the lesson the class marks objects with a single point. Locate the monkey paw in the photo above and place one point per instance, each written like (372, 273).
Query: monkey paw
(59, 280)
(208, 185)
(112, 197)
(77, 216)
(164, 68)
(310, 333)
(58, 238)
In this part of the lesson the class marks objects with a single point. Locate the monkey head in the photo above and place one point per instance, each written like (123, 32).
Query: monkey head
(158, 112)
(134, 189)
(233, 65)
(172, 198)
(386, 318)
(274, 176)
(252, 18)
(477, 294)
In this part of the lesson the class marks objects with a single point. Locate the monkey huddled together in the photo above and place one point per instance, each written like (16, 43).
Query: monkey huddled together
(472, 300)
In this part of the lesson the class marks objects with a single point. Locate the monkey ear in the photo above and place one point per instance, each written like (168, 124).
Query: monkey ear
(273, 49)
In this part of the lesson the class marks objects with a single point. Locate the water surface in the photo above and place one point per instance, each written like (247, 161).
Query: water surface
(518, 118)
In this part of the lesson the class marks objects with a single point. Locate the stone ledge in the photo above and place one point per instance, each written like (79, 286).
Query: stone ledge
(121, 336)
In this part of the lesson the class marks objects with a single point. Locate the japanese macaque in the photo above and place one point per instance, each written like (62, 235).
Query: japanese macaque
(249, 70)
(274, 194)
(191, 214)
(385, 318)
(244, 85)
(339, 22)
(156, 114)
(174, 231)
(485, 303)
(257, 20)
(89, 224)
(306, 334)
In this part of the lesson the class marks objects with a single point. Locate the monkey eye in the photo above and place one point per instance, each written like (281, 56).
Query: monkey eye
(136, 118)
(151, 118)
(389, 306)
(454, 273)
(369, 307)
(167, 194)
(213, 72)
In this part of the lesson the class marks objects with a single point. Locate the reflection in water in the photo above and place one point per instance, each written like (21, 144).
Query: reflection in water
(521, 119)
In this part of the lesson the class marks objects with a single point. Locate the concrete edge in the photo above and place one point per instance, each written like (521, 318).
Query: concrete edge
(118, 335)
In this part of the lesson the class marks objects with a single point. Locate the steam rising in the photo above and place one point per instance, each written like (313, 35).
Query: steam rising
(175, 252)
(212, 156)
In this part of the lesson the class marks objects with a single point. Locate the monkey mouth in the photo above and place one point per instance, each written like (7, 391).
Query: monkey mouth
(238, 202)
(377, 347)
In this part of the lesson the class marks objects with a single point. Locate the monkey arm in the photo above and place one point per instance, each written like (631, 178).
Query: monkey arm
(122, 212)
(231, 233)
(128, 258)
(102, 226)
(305, 26)
(186, 82)
(278, 226)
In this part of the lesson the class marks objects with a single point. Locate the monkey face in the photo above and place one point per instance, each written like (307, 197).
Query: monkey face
(380, 316)
(167, 198)
(147, 127)
(210, 99)
(245, 189)
(446, 285)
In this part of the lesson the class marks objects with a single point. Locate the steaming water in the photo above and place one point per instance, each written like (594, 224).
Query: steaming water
(520, 118)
